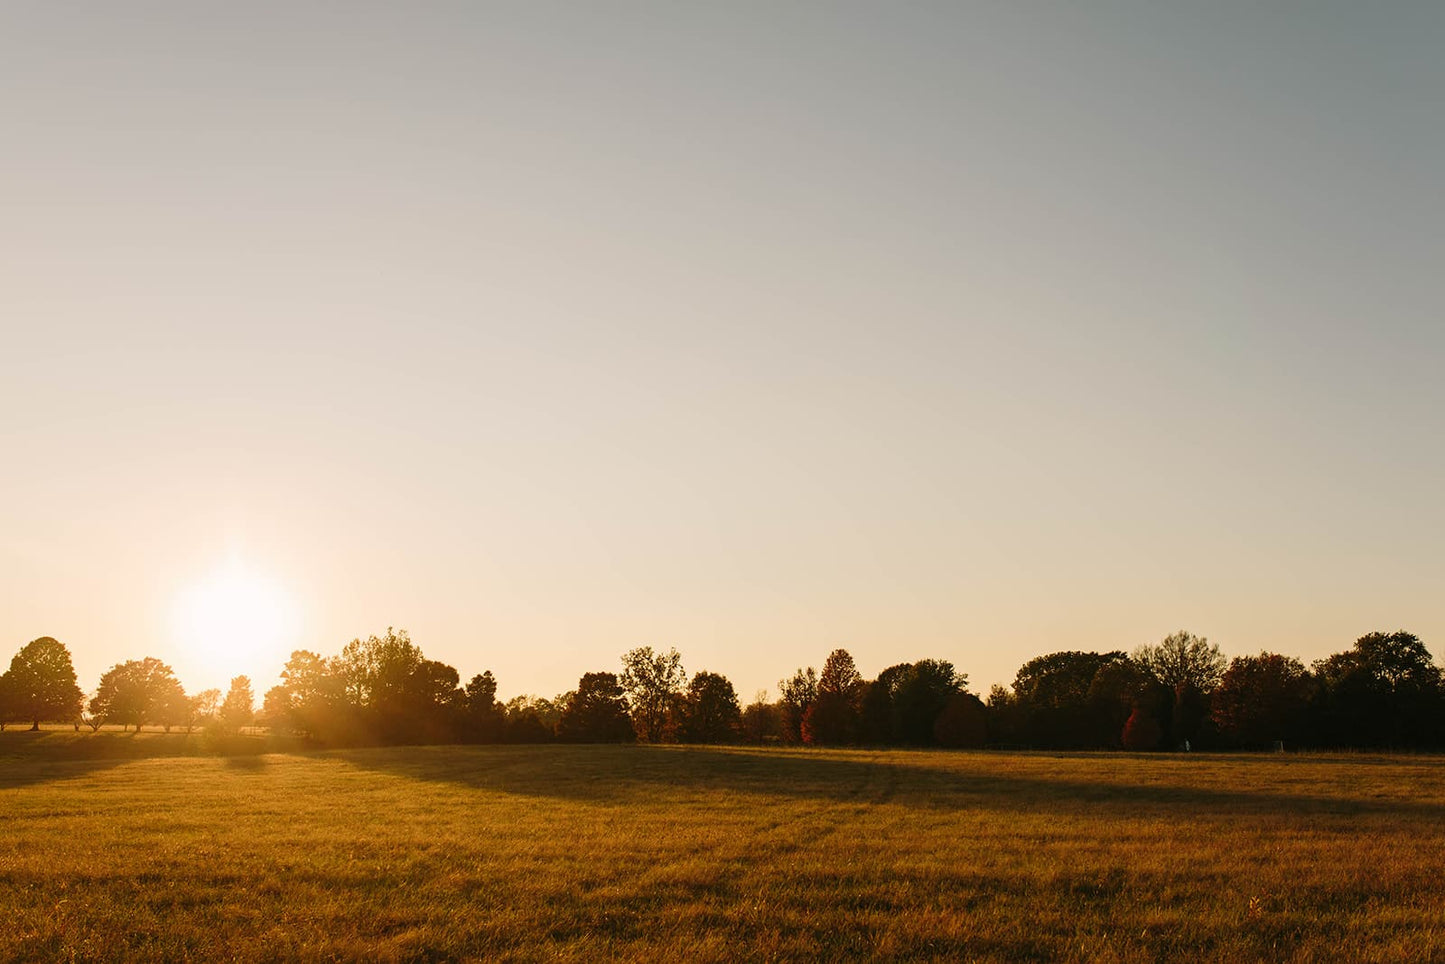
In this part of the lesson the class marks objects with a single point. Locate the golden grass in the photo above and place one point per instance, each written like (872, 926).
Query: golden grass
(581, 853)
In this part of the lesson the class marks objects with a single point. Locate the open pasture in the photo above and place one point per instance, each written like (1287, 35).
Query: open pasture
(577, 853)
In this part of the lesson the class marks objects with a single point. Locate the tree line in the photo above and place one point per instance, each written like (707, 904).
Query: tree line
(1384, 692)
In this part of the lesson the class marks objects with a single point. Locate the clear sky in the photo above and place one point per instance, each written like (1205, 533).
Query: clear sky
(965, 330)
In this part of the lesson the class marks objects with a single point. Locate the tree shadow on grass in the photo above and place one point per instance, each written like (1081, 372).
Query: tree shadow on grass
(28, 758)
(613, 775)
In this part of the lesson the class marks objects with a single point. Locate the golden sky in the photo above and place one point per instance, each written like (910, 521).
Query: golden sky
(548, 330)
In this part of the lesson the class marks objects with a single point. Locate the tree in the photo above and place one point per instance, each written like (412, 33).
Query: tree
(796, 696)
(1052, 700)
(833, 717)
(963, 723)
(395, 693)
(239, 708)
(597, 712)
(710, 711)
(1385, 691)
(1142, 731)
(40, 684)
(534, 719)
(653, 684)
(1189, 718)
(876, 719)
(206, 703)
(1116, 687)
(920, 696)
(1182, 658)
(1262, 699)
(91, 719)
(310, 699)
(761, 720)
(7, 702)
(138, 691)
(485, 719)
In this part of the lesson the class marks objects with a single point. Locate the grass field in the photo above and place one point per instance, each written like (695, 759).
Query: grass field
(578, 853)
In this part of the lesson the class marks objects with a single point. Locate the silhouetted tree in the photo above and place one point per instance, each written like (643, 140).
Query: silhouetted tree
(396, 693)
(1007, 717)
(876, 719)
(486, 719)
(1116, 687)
(597, 712)
(761, 720)
(240, 706)
(40, 685)
(1052, 700)
(1189, 720)
(1142, 730)
(797, 694)
(8, 712)
(710, 711)
(1385, 691)
(920, 696)
(963, 724)
(1262, 699)
(653, 683)
(311, 700)
(833, 717)
(137, 692)
(1182, 658)
(534, 719)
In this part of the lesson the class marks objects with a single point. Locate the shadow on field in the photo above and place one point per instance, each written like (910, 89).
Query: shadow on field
(615, 775)
(28, 758)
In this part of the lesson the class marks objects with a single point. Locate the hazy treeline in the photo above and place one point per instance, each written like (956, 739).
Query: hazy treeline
(1385, 691)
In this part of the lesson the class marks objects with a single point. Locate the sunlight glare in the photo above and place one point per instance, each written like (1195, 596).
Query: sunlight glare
(236, 621)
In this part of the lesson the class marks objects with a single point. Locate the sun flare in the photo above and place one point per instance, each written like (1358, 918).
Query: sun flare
(236, 621)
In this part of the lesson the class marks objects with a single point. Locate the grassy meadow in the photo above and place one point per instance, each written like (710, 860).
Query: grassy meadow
(157, 847)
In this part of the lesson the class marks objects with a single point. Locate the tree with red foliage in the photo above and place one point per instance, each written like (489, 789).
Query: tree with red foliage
(1142, 731)
(833, 716)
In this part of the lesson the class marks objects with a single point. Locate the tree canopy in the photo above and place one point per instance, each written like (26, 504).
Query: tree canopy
(653, 684)
(39, 687)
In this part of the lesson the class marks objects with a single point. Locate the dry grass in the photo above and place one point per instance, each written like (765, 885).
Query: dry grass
(581, 853)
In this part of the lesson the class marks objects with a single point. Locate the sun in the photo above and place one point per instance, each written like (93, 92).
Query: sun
(236, 621)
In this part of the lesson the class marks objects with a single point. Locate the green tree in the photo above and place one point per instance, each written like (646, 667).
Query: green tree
(240, 706)
(653, 683)
(40, 684)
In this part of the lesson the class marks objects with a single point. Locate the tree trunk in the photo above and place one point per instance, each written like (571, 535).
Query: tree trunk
(35, 727)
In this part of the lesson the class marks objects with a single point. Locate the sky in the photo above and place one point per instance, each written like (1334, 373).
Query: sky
(973, 331)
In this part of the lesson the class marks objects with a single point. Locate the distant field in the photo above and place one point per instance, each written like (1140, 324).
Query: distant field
(579, 853)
